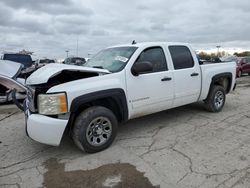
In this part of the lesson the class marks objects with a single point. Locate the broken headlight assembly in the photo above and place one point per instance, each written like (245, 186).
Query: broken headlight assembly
(52, 104)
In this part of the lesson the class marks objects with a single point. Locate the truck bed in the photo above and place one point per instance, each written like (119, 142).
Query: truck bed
(211, 69)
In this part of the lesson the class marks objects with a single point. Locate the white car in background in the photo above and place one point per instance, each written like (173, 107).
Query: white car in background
(12, 70)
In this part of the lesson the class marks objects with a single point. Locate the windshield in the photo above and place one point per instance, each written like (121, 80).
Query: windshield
(112, 59)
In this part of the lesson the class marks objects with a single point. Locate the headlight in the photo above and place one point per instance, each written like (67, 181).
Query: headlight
(52, 104)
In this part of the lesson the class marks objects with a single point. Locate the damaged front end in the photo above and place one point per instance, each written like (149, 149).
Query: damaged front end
(43, 109)
(45, 78)
(55, 74)
(64, 76)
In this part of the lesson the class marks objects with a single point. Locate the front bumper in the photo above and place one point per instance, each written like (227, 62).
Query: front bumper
(44, 129)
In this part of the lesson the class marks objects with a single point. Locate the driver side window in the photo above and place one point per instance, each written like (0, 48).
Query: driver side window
(156, 56)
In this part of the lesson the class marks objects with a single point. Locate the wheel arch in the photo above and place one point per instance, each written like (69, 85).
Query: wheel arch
(222, 79)
(113, 99)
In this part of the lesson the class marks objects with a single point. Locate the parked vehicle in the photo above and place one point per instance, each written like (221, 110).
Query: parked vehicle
(243, 66)
(24, 59)
(130, 81)
(28, 66)
(43, 62)
(12, 70)
(74, 61)
(47, 61)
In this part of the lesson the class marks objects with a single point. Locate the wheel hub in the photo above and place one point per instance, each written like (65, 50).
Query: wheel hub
(219, 99)
(99, 131)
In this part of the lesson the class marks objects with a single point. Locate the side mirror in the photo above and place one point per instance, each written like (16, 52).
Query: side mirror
(141, 67)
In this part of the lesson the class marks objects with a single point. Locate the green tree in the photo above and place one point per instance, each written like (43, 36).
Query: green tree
(242, 54)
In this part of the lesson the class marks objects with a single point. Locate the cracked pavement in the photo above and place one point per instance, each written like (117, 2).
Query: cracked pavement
(181, 147)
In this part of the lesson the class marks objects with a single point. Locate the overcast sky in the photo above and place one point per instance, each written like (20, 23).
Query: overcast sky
(50, 27)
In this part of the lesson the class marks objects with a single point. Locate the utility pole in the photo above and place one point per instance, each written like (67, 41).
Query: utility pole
(218, 50)
(67, 51)
(77, 47)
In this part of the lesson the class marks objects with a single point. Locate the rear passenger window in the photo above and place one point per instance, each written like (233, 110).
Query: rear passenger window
(181, 56)
(156, 56)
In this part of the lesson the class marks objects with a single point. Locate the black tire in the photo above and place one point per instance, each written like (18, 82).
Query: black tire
(213, 102)
(86, 127)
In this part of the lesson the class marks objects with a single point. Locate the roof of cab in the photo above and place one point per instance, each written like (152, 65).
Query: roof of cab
(148, 44)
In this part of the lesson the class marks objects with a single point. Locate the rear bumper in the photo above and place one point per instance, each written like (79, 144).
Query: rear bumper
(44, 129)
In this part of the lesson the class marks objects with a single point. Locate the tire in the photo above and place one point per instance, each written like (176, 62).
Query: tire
(94, 129)
(239, 73)
(248, 74)
(216, 99)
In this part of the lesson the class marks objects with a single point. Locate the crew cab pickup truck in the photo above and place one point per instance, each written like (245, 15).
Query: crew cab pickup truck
(118, 84)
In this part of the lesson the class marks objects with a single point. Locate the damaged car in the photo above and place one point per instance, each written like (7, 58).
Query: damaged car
(74, 61)
(11, 70)
(28, 65)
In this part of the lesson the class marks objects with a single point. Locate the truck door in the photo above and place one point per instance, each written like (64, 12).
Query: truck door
(187, 75)
(152, 91)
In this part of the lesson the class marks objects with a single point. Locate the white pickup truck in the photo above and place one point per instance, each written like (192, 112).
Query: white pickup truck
(120, 83)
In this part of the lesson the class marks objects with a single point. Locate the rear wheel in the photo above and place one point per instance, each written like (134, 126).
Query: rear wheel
(95, 129)
(216, 99)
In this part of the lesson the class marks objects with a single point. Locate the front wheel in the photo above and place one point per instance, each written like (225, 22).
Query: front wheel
(216, 99)
(95, 129)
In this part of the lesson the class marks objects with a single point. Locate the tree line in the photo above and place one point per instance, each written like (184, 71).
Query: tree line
(209, 56)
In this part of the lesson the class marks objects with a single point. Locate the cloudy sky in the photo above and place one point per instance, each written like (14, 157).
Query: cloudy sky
(50, 27)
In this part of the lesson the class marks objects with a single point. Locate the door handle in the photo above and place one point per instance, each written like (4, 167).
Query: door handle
(166, 79)
(195, 74)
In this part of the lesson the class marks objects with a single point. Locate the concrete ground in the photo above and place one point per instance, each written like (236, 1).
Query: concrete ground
(182, 147)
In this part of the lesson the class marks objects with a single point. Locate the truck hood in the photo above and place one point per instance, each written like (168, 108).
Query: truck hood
(43, 74)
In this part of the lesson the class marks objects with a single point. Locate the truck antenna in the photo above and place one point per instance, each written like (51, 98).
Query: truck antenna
(133, 42)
